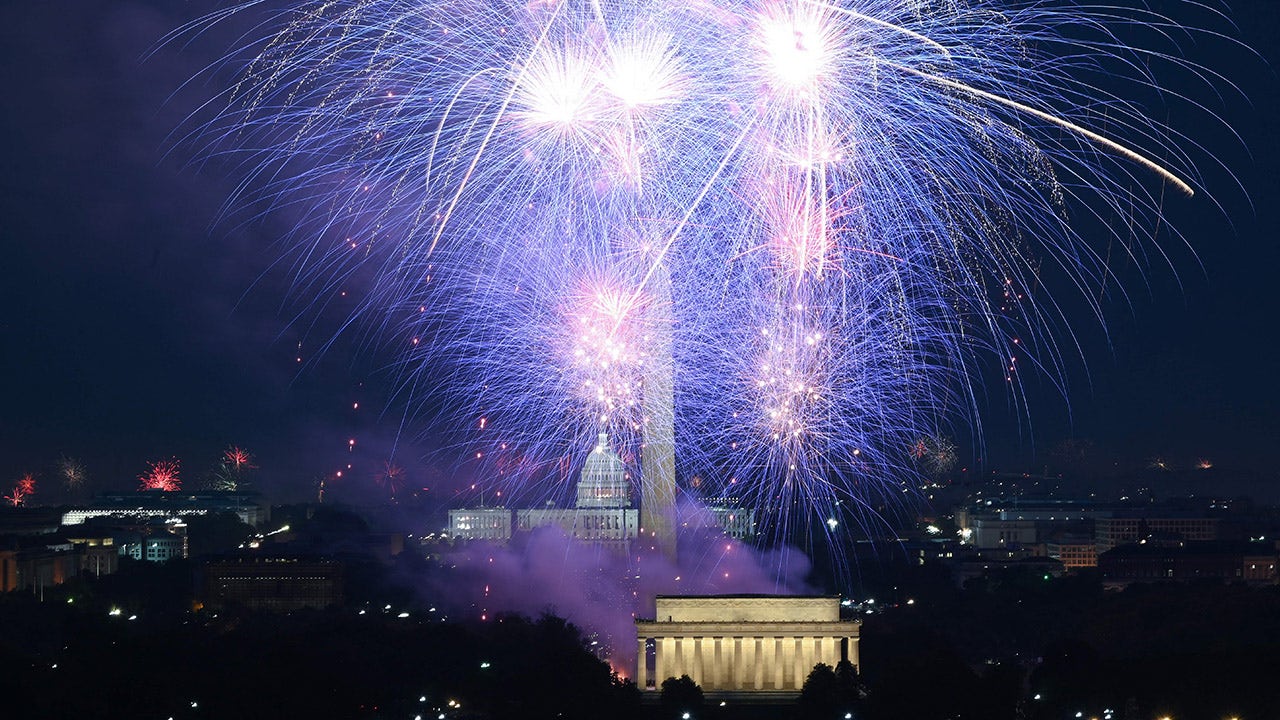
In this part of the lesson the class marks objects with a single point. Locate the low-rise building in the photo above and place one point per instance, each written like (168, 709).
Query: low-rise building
(1073, 551)
(743, 644)
(1132, 527)
(271, 582)
(158, 505)
(492, 524)
(36, 562)
(1186, 561)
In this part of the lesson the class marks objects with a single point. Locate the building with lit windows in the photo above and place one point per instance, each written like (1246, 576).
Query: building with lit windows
(163, 547)
(1073, 551)
(157, 505)
(35, 563)
(1112, 532)
(493, 524)
(273, 583)
(1250, 562)
(99, 554)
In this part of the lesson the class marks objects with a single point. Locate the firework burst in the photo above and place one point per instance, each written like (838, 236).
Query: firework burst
(391, 477)
(161, 475)
(232, 469)
(73, 472)
(24, 488)
(815, 206)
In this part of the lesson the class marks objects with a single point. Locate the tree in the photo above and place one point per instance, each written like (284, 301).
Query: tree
(849, 688)
(819, 698)
(681, 696)
(831, 694)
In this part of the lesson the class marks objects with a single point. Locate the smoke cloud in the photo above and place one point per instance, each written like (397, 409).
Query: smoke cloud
(603, 590)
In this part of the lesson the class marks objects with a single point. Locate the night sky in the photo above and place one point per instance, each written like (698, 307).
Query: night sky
(135, 325)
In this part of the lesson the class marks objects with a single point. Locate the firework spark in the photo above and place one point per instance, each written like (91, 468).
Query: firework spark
(24, 488)
(238, 458)
(73, 472)
(815, 205)
(231, 472)
(936, 456)
(161, 475)
(392, 477)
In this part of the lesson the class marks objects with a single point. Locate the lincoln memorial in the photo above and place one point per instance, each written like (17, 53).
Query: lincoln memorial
(744, 643)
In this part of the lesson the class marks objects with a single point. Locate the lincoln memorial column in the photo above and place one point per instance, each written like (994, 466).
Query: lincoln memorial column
(779, 664)
(798, 663)
(757, 667)
(666, 656)
(717, 665)
(642, 665)
(699, 661)
(735, 663)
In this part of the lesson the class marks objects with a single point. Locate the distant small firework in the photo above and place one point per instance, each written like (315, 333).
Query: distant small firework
(161, 475)
(238, 458)
(22, 489)
(1159, 463)
(230, 474)
(73, 472)
(392, 477)
(935, 455)
(1204, 464)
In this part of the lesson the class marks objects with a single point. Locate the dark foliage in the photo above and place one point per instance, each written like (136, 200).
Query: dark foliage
(680, 696)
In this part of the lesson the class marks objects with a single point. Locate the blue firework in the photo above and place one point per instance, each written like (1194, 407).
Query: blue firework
(815, 219)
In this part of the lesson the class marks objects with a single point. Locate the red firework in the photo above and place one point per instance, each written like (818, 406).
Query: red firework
(392, 477)
(161, 475)
(238, 458)
(24, 488)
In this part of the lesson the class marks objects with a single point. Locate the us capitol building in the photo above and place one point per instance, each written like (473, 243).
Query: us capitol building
(603, 512)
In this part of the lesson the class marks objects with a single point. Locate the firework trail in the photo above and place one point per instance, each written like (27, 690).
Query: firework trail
(161, 475)
(22, 489)
(822, 206)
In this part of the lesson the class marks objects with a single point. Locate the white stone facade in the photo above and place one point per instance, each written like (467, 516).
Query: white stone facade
(493, 524)
(744, 643)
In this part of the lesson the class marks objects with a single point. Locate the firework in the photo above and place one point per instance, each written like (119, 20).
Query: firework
(22, 489)
(161, 475)
(238, 458)
(391, 476)
(230, 473)
(797, 224)
(935, 455)
(73, 472)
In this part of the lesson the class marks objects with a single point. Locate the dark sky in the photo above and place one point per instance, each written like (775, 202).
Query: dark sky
(136, 327)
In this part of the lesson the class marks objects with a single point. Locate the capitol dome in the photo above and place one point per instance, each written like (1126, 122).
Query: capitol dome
(603, 483)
